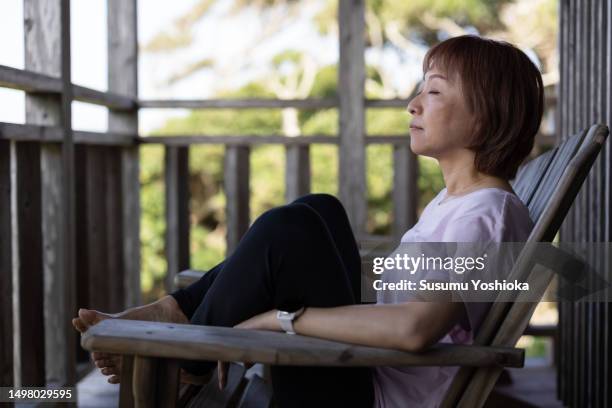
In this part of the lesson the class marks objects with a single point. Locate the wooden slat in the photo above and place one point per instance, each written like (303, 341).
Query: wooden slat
(250, 140)
(47, 50)
(606, 309)
(34, 82)
(352, 186)
(54, 134)
(104, 139)
(177, 212)
(155, 382)
(405, 189)
(254, 103)
(97, 230)
(111, 100)
(123, 79)
(553, 173)
(29, 325)
(115, 229)
(81, 258)
(229, 344)
(211, 396)
(143, 382)
(236, 183)
(6, 268)
(257, 394)
(297, 174)
(561, 130)
(54, 266)
(530, 175)
(30, 133)
(29, 81)
(126, 395)
(569, 128)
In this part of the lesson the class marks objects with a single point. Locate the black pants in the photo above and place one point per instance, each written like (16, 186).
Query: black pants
(300, 254)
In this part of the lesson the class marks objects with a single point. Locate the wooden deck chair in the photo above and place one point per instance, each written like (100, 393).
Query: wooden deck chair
(150, 375)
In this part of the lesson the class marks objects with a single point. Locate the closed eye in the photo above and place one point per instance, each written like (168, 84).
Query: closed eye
(434, 92)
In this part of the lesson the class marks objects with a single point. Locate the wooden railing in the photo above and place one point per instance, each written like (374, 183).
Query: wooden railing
(69, 208)
(69, 200)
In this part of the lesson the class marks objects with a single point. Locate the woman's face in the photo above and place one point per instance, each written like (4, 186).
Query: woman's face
(441, 121)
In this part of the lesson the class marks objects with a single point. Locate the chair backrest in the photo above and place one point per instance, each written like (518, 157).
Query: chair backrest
(548, 186)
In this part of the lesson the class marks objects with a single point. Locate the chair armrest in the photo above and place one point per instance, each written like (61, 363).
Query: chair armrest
(192, 342)
(187, 277)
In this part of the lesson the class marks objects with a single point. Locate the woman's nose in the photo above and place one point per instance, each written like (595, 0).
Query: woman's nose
(413, 106)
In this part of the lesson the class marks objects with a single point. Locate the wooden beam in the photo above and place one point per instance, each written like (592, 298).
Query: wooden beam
(252, 103)
(6, 268)
(30, 133)
(238, 140)
(192, 342)
(54, 134)
(352, 185)
(30, 364)
(260, 103)
(115, 229)
(47, 50)
(297, 174)
(34, 82)
(177, 212)
(405, 189)
(251, 140)
(28, 81)
(104, 139)
(111, 100)
(97, 239)
(236, 183)
(123, 79)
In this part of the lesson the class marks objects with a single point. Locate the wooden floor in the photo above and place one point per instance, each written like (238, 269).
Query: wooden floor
(94, 392)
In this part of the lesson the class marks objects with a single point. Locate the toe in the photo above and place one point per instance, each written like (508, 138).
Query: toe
(109, 371)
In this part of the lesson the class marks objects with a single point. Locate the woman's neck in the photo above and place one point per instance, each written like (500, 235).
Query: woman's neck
(461, 177)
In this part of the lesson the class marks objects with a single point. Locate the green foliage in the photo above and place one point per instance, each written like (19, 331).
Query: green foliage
(207, 204)
(420, 21)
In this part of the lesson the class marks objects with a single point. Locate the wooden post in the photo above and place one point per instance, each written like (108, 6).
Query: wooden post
(177, 212)
(236, 181)
(97, 239)
(155, 382)
(297, 182)
(47, 30)
(352, 180)
(6, 278)
(123, 79)
(405, 189)
(30, 328)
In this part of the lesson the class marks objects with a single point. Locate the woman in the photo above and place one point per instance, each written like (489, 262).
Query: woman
(477, 113)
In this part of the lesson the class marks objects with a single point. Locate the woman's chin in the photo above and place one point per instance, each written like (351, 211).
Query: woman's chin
(418, 148)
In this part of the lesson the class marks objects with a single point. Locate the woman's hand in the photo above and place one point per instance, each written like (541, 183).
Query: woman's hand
(263, 321)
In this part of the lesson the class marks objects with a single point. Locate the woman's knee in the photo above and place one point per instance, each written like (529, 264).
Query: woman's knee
(295, 217)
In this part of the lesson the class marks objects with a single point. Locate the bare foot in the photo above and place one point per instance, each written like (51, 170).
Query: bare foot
(164, 310)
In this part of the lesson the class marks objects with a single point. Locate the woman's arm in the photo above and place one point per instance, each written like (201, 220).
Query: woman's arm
(410, 326)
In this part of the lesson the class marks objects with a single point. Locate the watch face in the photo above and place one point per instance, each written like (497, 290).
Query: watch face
(284, 315)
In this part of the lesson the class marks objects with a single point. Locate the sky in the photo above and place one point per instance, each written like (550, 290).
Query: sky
(229, 40)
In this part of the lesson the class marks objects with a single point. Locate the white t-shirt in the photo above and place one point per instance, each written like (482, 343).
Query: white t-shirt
(485, 215)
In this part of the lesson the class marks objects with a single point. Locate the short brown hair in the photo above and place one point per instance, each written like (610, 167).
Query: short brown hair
(504, 90)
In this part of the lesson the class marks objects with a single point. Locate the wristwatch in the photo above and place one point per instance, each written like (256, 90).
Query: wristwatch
(286, 319)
